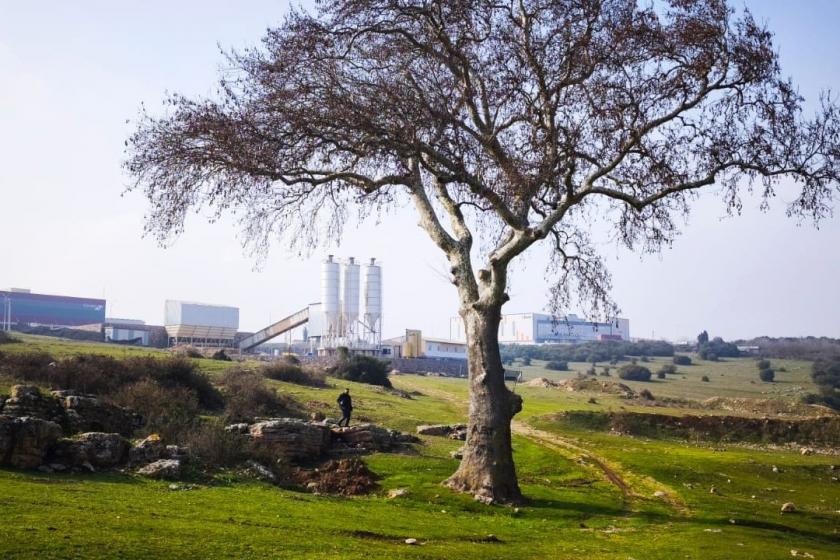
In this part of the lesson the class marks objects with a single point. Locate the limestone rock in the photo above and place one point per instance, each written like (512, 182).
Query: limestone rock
(372, 437)
(788, 507)
(24, 442)
(165, 468)
(411, 541)
(103, 450)
(486, 500)
(86, 413)
(260, 472)
(291, 438)
(27, 400)
(453, 431)
(147, 451)
(397, 493)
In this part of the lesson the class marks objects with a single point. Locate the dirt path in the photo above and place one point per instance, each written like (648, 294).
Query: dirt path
(633, 487)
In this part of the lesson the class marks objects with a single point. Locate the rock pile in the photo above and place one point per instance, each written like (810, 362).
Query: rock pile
(452, 431)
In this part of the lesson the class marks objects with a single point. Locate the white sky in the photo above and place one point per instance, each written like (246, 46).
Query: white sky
(72, 73)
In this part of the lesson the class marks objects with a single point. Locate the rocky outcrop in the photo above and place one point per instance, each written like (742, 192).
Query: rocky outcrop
(147, 450)
(169, 469)
(291, 438)
(86, 413)
(27, 400)
(371, 437)
(90, 451)
(25, 442)
(452, 431)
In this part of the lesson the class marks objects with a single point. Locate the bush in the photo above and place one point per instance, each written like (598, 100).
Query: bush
(706, 354)
(605, 372)
(644, 394)
(763, 364)
(705, 378)
(212, 446)
(221, 356)
(633, 372)
(826, 375)
(291, 373)
(591, 371)
(682, 360)
(363, 369)
(177, 371)
(526, 361)
(660, 374)
(247, 397)
(6, 338)
(557, 366)
(291, 358)
(186, 351)
(668, 369)
(168, 411)
(766, 374)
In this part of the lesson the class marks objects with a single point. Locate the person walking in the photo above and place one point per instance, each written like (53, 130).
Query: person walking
(345, 403)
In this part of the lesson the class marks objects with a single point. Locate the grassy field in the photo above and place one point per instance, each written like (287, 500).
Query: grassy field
(574, 509)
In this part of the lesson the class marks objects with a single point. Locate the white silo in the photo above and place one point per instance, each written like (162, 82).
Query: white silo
(330, 298)
(350, 298)
(372, 299)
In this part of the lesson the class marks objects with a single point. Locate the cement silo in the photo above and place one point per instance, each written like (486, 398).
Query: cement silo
(372, 300)
(330, 300)
(350, 299)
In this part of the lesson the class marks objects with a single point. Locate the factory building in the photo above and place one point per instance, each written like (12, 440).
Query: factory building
(127, 331)
(22, 308)
(200, 324)
(415, 345)
(350, 311)
(540, 328)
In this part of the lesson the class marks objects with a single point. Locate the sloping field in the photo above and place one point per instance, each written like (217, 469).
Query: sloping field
(592, 494)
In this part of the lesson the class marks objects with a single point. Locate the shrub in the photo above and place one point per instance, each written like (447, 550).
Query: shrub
(291, 373)
(221, 356)
(682, 360)
(632, 372)
(364, 369)
(707, 354)
(557, 366)
(6, 338)
(186, 351)
(211, 445)
(591, 371)
(767, 375)
(668, 369)
(526, 361)
(178, 371)
(605, 372)
(826, 375)
(645, 394)
(763, 364)
(705, 378)
(168, 411)
(248, 397)
(660, 374)
(290, 358)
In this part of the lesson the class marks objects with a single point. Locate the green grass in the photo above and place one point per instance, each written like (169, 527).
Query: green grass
(574, 511)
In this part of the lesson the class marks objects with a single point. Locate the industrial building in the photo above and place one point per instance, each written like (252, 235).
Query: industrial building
(415, 345)
(200, 324)
(22, 308)
(540, 328)
(127, 331)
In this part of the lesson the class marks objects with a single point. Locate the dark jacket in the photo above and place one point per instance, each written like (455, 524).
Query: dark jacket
(345, 402)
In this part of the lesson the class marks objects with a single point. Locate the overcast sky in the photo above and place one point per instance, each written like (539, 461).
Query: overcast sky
(72, 73)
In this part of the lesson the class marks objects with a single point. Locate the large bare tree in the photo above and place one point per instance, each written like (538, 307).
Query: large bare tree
(510, 122)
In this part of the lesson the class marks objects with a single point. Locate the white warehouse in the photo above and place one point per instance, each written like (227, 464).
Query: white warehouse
(200, 324)
(541, 328)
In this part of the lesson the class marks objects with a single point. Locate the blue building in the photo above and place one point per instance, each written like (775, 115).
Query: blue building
(23, 308)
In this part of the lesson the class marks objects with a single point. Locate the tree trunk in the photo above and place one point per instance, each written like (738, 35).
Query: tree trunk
(487, 470)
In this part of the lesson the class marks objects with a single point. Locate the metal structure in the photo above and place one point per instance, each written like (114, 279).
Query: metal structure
(349, 301)
(330, 300)
(276, 329)
(201, 324)
(372, 301)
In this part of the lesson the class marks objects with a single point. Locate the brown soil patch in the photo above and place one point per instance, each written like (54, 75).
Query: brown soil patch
(344, 477)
